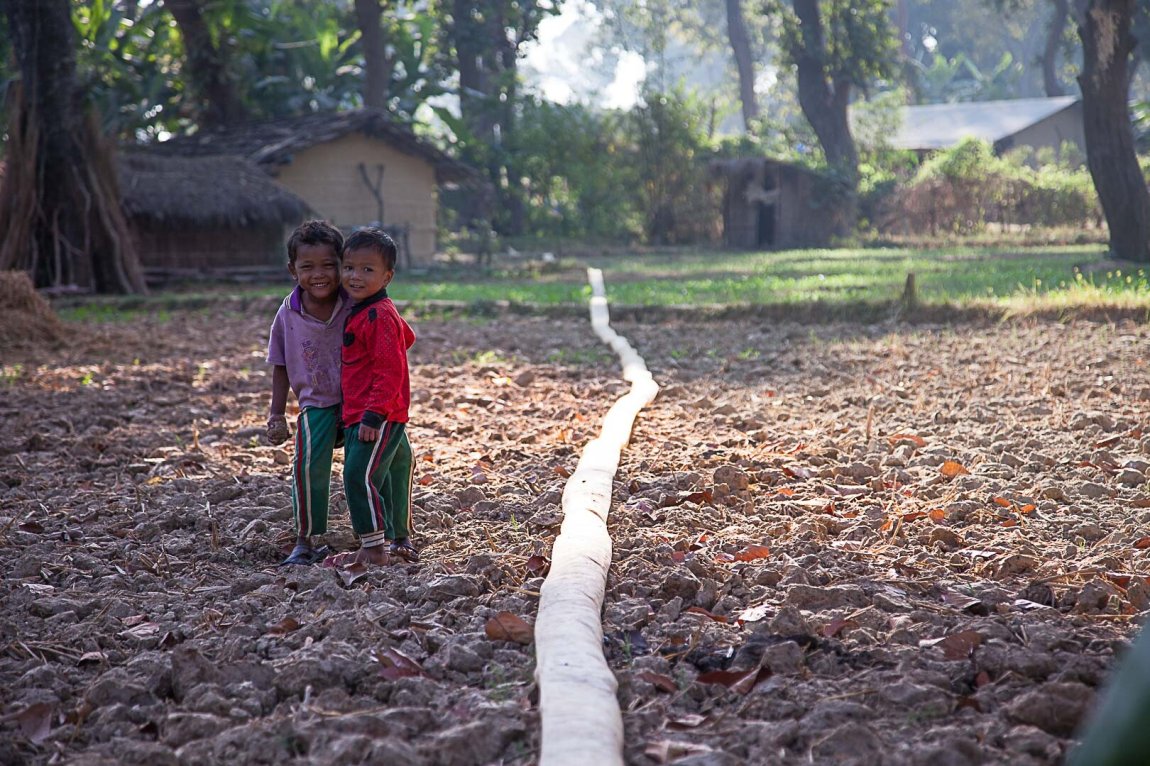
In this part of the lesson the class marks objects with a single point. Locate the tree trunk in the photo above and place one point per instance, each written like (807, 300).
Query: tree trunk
(378, 66)
(60, 214)
(508, 57)
(474, 78)
(487, 61)
(206, 67)
(744, 62)
(1106, 46)
(1050, 50)
(824, 102)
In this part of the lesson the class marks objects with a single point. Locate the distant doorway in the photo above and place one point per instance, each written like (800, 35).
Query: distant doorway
(766, 204)
(766, 228)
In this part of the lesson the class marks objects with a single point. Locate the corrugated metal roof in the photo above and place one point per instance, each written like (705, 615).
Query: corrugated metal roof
(937, 126)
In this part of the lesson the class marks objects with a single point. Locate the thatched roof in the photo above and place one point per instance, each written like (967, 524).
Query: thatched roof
(271, 143)
(204, 190)
(735, 167)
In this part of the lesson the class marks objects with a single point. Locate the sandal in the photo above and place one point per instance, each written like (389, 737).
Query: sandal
(305, 555)
(404, 550)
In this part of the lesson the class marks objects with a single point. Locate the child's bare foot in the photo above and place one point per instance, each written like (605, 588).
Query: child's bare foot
(374, 556)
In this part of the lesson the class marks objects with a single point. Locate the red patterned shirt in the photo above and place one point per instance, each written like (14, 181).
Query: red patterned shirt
(374, 376)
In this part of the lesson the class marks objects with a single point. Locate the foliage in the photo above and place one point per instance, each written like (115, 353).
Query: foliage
(880, 164)
(483, 42)
(417, 76)
(668, 136)
(1140, 114)
(634, 176)
(287, 57)
(960, 79)
(836, 47)
(980, 49)
(624, 176)
(129, 66)
(962, 189)
(674, 37)
(577, 178)
(293, 57)
(860, 43)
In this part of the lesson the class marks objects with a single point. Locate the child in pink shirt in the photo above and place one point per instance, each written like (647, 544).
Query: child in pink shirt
(304, 351)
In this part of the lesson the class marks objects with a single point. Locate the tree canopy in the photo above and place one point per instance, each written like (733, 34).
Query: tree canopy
(720, 78)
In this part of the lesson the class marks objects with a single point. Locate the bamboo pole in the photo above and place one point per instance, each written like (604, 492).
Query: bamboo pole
(581, 722)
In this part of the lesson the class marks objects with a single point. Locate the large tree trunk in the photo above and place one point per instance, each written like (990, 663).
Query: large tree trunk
(207, 68)
(511, 195)
(1106, 46)
(377, 65)
(744, 62)
(473, 61)
(60, 214)
(487, 62)
(824, 101)
(1058, 18)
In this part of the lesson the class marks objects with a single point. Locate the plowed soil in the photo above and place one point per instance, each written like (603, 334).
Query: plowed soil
(881, 544)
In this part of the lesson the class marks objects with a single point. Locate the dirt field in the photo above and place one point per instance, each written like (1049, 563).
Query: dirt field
(834, 544)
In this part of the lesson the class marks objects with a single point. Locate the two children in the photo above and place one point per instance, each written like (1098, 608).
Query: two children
(331, 344)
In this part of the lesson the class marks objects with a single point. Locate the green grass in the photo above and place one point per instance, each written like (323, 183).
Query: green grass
(1055, 276)
(838, 276)
(1014, 280)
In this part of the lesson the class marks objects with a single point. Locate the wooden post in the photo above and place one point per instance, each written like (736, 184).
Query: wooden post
(581, 722)
(909, 295)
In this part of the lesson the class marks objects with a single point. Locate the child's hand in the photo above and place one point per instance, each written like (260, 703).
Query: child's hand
(367, 433)
(278, 432)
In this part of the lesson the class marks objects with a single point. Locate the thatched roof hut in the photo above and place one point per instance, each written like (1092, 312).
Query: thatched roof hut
(274, 143)
(771, 205)
(190, 214)
(354, 168)
(204, 191)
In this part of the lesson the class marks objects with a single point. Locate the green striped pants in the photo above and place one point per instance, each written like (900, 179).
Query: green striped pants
(315, 434)
(377, 482)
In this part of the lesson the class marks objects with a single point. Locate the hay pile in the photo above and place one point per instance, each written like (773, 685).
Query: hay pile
(26, 319)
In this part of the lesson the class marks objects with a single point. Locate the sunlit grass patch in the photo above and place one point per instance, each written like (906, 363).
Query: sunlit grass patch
(1127, 290)
(848, 282)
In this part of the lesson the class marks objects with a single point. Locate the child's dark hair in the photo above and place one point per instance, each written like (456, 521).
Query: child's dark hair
(315, 233)
(371, 238)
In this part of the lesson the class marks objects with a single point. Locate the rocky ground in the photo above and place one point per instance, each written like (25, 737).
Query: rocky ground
(883, 544)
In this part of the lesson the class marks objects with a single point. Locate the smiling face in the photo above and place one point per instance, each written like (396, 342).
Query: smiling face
(365, 273)
(316, 269)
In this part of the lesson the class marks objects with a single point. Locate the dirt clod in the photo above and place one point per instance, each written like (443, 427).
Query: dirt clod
(900, 545)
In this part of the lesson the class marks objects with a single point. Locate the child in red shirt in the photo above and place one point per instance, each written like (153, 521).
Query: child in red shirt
(376, 394)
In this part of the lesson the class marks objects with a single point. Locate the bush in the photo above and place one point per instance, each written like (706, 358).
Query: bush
(961, 190)
(668, 136)
(576, 179)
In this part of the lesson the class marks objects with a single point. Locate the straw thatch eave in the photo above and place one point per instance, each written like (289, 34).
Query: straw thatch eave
(736, 167)
(271, 143)
(218, 190)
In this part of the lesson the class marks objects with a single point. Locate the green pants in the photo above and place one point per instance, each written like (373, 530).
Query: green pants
(377, 482)
(315, 433)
